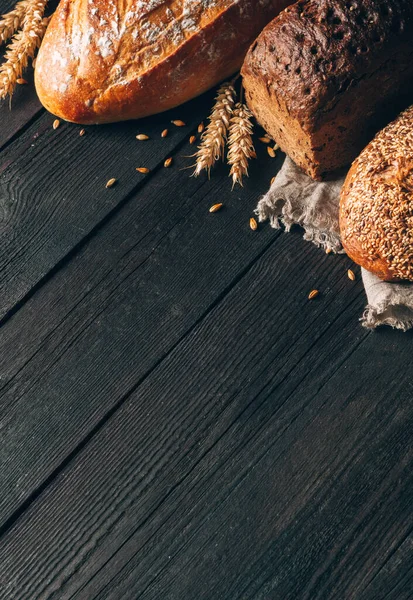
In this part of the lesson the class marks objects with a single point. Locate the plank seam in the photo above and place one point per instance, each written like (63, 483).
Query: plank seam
(66, 461)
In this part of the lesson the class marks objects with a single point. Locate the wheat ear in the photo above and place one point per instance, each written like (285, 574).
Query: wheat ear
(23, 46)
(214, 137)
(240, 145)
(13, 20)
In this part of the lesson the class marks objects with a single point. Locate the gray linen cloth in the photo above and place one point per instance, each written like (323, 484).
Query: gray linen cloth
(295, 199)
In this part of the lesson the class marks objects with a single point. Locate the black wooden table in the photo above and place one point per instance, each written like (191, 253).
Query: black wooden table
(178, 420)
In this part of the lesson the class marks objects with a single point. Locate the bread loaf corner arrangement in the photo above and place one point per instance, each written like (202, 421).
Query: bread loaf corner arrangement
(326, 74)
(104, 61)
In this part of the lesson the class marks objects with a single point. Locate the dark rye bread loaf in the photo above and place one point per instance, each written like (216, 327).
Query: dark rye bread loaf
(325, 75)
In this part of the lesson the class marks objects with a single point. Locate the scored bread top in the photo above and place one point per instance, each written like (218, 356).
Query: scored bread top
(315, 49)
(92, 32)
(376, 208)
(118, 55)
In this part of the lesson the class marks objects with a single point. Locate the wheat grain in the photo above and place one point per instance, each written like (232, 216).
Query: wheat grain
(253, 224)
(168, 162)
(213, 138)
(142, 137)
(23, 46)
(241, 147)
(313, 294)
(143, 170)
(111, 182)
(215, 207)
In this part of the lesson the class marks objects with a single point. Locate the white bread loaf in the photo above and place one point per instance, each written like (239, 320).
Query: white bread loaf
(112, 60)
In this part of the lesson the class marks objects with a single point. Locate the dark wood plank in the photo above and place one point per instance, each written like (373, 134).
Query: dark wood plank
(52, 188)
(238, 467)
(24, 108)
(394, 579)
(155, 267)
(282, 342)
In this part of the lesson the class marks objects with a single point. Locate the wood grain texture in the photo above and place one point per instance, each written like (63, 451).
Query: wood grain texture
(136, 272)
(237, 470)
(211, 388)
(52, 188)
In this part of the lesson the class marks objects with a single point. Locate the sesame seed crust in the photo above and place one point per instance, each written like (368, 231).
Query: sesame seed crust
(376, 206)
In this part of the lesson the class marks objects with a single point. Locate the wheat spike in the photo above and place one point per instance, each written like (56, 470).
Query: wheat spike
(241, 147)
(13, 20)
(214, 136)
(23, 46)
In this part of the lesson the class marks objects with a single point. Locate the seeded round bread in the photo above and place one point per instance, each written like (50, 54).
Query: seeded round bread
(325, 75)
(106, 60)
(376, 206)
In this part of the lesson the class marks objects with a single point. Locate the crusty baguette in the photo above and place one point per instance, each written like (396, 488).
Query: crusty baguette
(376, 205)
(106, 60)
(324, 76)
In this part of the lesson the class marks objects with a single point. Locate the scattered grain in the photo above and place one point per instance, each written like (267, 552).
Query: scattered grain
(168, 162)
(178, 123)
(142, 170)
(351, 275)
(142, 137)
(192, 139)
(215, 207)
(253, 224)
(164, 133)
(82, 132)
(21, 81)
(111, 182)
(201, 127)
(271, 151)
(56, 123)
(265, 140)
(313, 294)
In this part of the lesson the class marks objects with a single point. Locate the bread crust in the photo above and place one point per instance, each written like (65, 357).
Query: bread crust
(112, 60)
(376, 205)
(325, 75)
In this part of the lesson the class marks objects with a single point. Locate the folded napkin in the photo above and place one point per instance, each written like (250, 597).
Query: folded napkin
(295, 199)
